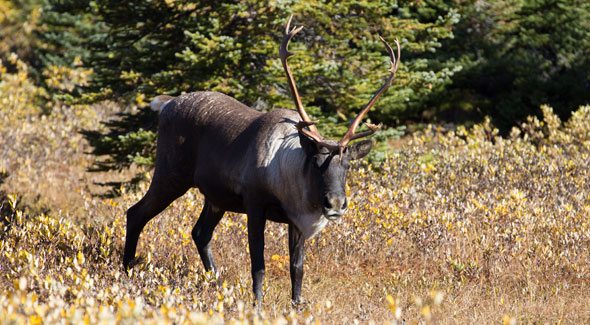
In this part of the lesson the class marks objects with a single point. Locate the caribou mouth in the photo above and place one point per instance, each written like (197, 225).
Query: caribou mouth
(333, 215)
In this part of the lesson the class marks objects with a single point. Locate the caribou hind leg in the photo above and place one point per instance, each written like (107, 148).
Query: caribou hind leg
(203, 231)
(156, 199)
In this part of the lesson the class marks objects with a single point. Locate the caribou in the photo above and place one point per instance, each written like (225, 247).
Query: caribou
(271, 166)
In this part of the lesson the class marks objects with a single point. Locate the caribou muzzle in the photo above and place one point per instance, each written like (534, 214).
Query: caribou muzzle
(335, 205)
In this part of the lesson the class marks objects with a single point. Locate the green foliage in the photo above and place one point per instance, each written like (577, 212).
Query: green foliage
(172, 47)
(165, 47)
(517, 55)
(67, 31)
(461, 60)
(51, 43)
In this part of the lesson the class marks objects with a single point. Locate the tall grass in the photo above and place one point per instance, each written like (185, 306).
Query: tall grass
(457, 226)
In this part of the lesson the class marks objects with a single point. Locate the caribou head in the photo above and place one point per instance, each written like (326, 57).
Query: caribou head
(330, 159)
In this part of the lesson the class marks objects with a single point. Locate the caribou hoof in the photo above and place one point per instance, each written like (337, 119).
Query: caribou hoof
(299, 304)
(133, 262)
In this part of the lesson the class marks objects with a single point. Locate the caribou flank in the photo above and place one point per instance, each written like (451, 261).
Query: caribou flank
(272, 166)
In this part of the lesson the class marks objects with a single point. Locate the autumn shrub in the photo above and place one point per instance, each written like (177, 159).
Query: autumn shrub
(457, 225)
(19, 94)
(456, 217)
(40, 139)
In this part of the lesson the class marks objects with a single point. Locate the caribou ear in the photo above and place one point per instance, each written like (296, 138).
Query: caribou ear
(308, 144)
(360, 149)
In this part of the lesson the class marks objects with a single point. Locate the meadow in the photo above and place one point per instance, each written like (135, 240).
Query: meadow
(457, 225)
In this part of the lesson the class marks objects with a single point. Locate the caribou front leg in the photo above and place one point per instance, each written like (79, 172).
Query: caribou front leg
(256, 224)
(296, 255)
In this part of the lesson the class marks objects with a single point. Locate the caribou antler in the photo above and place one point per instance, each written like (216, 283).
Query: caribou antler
(285, 54)
(307, 126)
(350, 134)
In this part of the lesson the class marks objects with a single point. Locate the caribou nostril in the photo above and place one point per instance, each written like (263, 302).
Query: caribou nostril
(344, 204)
(327, 203)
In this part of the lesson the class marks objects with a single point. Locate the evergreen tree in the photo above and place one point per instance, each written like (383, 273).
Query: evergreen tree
(472, 58)
(66, 32)
(548, 57)
(517, 55)
(171, 47)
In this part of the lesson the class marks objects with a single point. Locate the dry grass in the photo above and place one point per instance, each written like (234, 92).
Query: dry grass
(458, 227)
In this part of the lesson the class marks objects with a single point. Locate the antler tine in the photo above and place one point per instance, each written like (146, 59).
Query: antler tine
(284, 55)
(372, 128)
(394, 61)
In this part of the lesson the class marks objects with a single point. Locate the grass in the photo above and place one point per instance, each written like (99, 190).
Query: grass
(457, 226)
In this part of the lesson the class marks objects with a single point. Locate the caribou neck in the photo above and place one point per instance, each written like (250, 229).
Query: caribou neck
(291, 177)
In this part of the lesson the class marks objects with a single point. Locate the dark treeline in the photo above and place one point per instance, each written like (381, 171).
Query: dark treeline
(461, 59)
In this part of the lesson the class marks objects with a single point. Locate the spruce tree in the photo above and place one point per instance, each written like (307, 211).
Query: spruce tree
(171, 47)
(517, 55)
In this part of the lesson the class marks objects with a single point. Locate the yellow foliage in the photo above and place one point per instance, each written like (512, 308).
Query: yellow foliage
(66, 78)
(457, 227)
(18, 94)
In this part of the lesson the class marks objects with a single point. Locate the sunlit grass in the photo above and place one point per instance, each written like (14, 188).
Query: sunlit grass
(458, 226)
